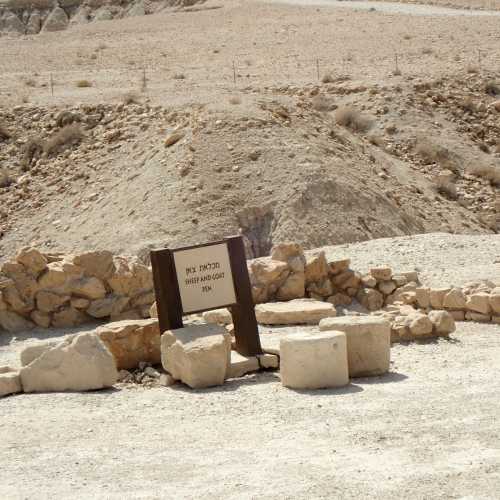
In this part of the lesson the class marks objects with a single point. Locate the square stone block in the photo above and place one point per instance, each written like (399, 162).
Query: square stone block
(314, 361)
(368, 343)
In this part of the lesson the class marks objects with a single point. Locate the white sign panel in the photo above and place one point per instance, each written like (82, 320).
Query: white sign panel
(204, 277)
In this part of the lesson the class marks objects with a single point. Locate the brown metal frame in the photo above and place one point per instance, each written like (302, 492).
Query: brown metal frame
(169, 304)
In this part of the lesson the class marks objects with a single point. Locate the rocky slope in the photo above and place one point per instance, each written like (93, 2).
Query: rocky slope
(31, 18)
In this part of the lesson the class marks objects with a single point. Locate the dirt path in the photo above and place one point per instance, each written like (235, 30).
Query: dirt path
(429, 429)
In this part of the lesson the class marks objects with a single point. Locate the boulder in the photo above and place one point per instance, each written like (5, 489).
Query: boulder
(368, 342)
(368, 281)
(436, 297)
(98, 264)
(442, 321)
(382, 273)
(56, 21)
(33, 260)
(10, 23)
(13, 322)
(265, 271)
(35, 350)
(294, 312)
(40, 318)
(323, 288)
(457, 315)
(130, 278)
(241, 365)
(387, 287)
(267, 360)
(423, 297)
(340, 299)
(454, 299)
(17, 303)
(10, 383)
(89, 288)
(47, 301)
(137, 9)
(479, 317)
(198, 355)
(221, 316)
(337, 266)
(419, 324)
(34, 23)
(314, 361)
(132, 342)
(494, 300)
(370, 298)
(80, 363)
(58, 275)
(316, 267)
(68, 317)
(293, 287)
(479, 302)
(111, 305)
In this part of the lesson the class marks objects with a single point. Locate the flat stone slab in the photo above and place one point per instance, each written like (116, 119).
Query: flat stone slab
(294, 312)
(241, 365)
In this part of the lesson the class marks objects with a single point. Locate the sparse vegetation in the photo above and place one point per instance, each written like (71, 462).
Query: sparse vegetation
(468, 104)
(472, 69)
(376, 140)
(179, 76)
(447, 188)
(351, 118)
(327, 78)
(321, 103)
(4, 133)
(67, 118)
(130, 97)
(67, 136)
(5, 178)
(83, 84)
(427, 51)
(488, 172)
(32, 150)
(430, 152)
(492, 88)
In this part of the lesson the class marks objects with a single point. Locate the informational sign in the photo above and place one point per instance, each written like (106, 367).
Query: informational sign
(205, 278)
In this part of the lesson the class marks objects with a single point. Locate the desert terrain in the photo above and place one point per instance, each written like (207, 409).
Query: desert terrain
(370, 131)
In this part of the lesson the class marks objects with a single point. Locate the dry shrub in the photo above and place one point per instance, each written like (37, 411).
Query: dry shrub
(321, 103)
(376, 140)
(447, 188)
(349, 117)
(82, 84)
(179, 76)
(67, 118)
(130, 97)
(327, 79)
(472, 69)
(4, 133)
(5, 178)
(67, 136)
(430, 152)
(29, 82)
(488, 172)
(426, 50)
(492, 88)
(234, 100)
(468, 105)
(32, 150)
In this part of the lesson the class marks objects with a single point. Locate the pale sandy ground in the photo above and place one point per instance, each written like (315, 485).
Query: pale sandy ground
(428, 429)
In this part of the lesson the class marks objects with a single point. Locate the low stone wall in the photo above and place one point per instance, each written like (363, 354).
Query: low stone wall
(66, 290)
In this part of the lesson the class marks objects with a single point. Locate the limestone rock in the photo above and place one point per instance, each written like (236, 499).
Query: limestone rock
(10, 383)
(109, 306)
(382, 273)
(368, 342)
(153, 312)
(287, 251)
(220, 316)
(370, 298)
(479, 317)
(34, 23)
(265, 271)
(420, 324)
(454, 299)
(443, 322)
(47, 301)
(494, 300)
(316, 267)
(40, 318)
(436, 297)
(98, 264)
(132, 342)
(137, 9)
(198, 355)
(13, 322)
(387, 287)
(103, 14)
(10, 23)
(56, 21)
(423, 297)
(32, 260)
(323, 288)
(241, 365)
(337, 266)
(292, 288)
(294, 312)
(369, 281)
(81, 363)
(35, 350)
(130, 278)
(68, 317)
(340, 299)
(315, 361)
(479, 302)
(457, 315)
(58, 275)
(267, 360)
(89, 288)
